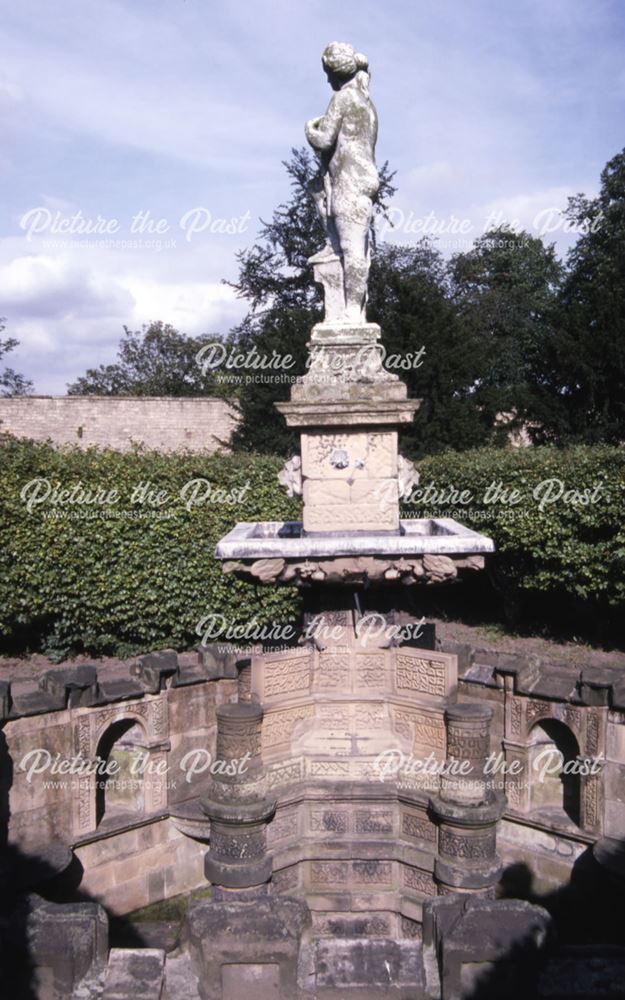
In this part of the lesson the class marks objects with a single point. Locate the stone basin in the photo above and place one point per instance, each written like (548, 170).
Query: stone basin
(286, 540)
(429, 550)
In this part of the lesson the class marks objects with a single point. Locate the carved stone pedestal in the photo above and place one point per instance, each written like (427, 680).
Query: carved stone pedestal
(237, 805)
(467, 808)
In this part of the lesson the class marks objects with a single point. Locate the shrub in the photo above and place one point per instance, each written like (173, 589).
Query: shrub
(123, 584)
(549, 550)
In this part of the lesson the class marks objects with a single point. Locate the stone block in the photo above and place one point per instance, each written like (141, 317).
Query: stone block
(491, 948)
(377, 964)
(350, 517)
(76, 685)
(65, 942)
(153, 669)
(320, 492)
(615, 743)
(262, 979)
(118, 688)
(226, 937)
(134, 974)
(216, 662)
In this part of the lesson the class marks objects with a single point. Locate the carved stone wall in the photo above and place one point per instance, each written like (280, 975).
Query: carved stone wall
(128, 861)
(587, 723)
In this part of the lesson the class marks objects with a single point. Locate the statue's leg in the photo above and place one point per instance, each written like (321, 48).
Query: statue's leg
(353, 233)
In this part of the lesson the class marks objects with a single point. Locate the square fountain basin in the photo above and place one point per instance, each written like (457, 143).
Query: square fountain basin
(285, 540)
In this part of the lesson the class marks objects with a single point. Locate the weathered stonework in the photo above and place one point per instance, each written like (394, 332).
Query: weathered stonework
(119, 422)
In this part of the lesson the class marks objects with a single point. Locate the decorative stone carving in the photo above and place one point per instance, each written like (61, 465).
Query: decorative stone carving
(593, 733)
(418, 827)
(370, 670)
(372, 872)
(332, 671)
(408, 477)
(329, 768)
(329, 873)
(352, 569)
(516, 716)
(411, 929)
(328, 821)
(290, 476)
(470, 847)
(373, 821)
(420, 881)
(278, 726)
(286, 676)
(416, 673)
(285, 879)
(284, 774)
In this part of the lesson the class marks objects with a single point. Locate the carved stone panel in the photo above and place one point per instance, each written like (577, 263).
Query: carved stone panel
(419, 880)
(422, 674)
(370, 670)
(285, 676)
(418, 826)
(332, 671)
(285, 879)
(468, 847)
(329, 821)
(373, 821)
(283, 826)
(278, 725)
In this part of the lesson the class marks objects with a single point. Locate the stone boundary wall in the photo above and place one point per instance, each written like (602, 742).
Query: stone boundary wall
(161, 423)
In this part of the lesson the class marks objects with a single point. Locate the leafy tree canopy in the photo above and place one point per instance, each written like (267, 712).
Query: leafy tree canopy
(11, 382)
(154, 361)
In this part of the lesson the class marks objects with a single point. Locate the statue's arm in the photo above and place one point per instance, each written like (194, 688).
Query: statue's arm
(322, 132)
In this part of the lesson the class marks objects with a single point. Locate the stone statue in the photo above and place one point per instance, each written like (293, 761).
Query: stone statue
(344, 140)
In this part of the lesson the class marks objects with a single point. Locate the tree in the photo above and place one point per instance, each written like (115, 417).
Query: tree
(154, 361)
(409, 297)
(277, 281)
(505, 291)
(11, 382)
(587, 364)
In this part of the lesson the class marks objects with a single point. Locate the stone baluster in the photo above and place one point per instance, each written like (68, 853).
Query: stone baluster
(467, 808)
(237, 805)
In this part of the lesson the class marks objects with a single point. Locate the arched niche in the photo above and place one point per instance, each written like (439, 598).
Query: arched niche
(120, 794)
(555, 788)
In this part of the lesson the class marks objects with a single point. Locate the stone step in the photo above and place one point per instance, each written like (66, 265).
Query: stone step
(181, 982)
(135, 974)
(350, 964)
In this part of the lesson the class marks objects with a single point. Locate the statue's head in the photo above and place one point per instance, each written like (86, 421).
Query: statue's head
(342, 63)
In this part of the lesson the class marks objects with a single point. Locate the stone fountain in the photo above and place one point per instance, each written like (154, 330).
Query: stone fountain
(326, 842)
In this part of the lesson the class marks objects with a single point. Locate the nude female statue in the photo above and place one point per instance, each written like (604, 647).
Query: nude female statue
(344, 140)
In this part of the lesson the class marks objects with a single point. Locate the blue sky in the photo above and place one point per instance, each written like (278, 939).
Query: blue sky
(186, 108)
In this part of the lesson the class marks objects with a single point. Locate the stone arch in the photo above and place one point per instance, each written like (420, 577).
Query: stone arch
(553, 752)
(120, 793)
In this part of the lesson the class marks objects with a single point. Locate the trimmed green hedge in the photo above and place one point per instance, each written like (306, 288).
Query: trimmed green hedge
(122, 584)
(564, 536)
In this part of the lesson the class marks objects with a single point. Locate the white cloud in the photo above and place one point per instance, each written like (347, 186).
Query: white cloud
(69, 316)
(538, 212)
